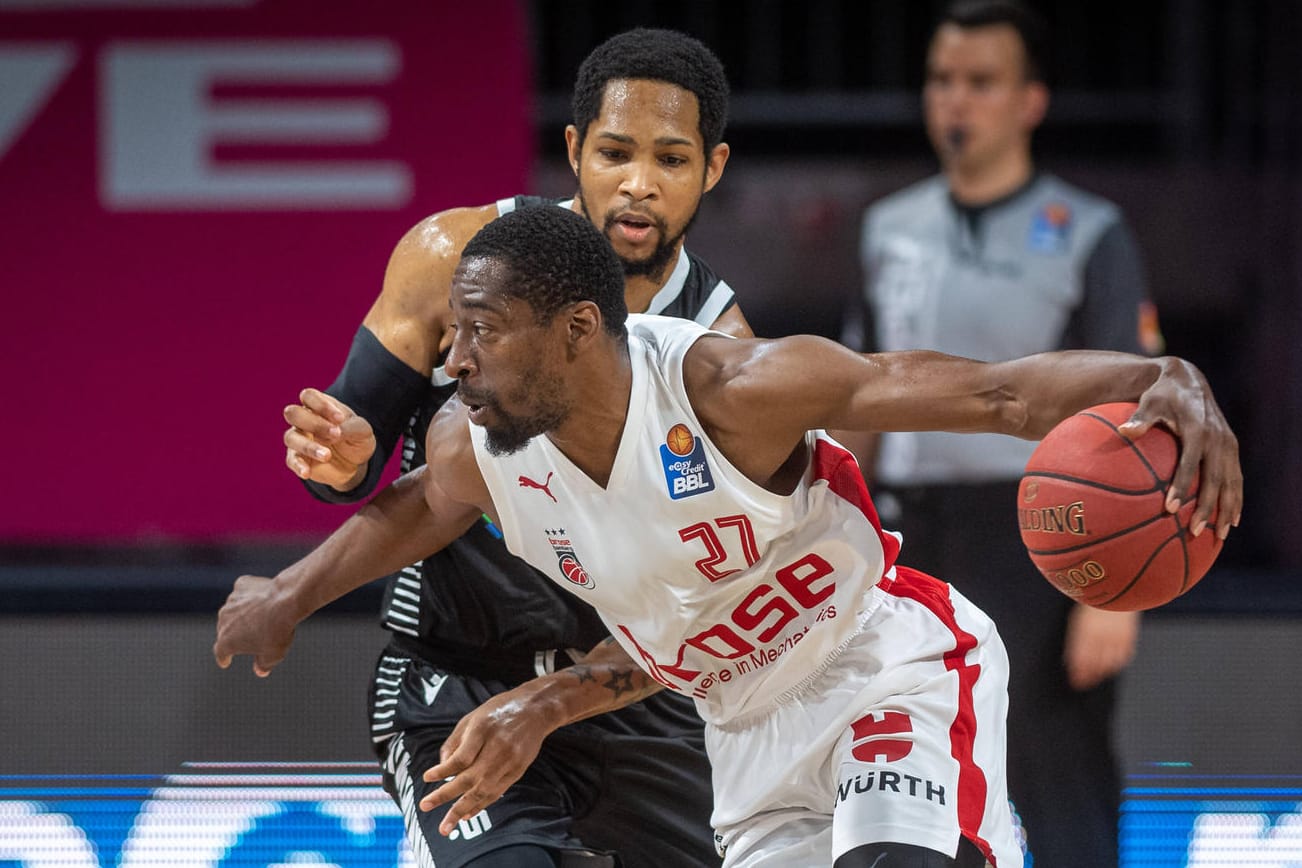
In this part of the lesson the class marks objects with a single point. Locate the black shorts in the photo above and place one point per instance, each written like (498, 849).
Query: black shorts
(635, 783)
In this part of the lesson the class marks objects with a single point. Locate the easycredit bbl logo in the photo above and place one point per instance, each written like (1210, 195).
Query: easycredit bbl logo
(686, 470)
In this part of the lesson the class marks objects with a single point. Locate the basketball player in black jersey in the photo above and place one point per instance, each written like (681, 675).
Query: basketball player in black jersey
(472, 622)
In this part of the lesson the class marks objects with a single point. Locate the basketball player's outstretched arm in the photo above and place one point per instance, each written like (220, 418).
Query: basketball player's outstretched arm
(400, 526)
(787, 386)
(395, 529)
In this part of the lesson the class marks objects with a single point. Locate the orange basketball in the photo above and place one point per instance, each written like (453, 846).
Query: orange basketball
(1091, 508)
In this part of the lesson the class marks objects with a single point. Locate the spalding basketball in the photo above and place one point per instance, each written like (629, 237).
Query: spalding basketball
(1091, 507)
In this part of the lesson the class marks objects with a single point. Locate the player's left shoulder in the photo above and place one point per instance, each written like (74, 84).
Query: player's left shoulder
(663, 333)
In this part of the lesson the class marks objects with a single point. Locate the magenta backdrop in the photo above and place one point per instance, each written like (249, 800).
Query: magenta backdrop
(196, 208)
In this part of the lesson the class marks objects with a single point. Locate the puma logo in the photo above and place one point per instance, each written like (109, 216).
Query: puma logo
(526, 482)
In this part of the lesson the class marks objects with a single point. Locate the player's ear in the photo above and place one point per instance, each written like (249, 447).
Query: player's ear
(583, 324)
(573, 147)
(1036, 105)
(714, 164)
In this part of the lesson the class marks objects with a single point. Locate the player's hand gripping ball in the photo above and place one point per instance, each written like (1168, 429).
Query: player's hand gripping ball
(1091, 508)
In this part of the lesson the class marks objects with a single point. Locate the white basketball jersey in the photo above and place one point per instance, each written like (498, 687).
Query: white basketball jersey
(720, 589)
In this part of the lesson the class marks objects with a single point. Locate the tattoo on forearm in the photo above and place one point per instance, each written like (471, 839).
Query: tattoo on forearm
(625, 681)
(620, 683)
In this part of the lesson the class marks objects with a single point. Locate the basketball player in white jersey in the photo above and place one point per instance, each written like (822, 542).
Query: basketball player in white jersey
(677, 479)
(646, 145)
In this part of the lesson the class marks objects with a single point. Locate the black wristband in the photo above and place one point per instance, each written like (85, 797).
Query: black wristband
(383, 390)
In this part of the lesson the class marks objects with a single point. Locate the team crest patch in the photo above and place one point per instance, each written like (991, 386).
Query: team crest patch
(571, 570)
(1050, 229)
(686, 470)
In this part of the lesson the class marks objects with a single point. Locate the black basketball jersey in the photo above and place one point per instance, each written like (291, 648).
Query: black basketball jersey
(473, 606)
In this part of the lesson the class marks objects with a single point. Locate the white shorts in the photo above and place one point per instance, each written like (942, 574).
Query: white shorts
(901, 739)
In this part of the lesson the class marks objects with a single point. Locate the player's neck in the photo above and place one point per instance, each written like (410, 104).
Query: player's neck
(981, 185)
(640, 289)
(590, 435)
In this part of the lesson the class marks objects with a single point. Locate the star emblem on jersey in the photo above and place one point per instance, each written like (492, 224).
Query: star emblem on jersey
(687, 472)
(568, 562)
(526, 482)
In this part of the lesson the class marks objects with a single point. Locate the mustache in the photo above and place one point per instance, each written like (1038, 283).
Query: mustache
(613, 216)
(469, 396)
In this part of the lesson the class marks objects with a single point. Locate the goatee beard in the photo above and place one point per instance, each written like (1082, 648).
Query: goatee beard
(654, 265)
(513, 433)
(502, 443)
(666, 251)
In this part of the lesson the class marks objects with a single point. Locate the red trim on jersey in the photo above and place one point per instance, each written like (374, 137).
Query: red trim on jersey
(933, 594)
(838, 466)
